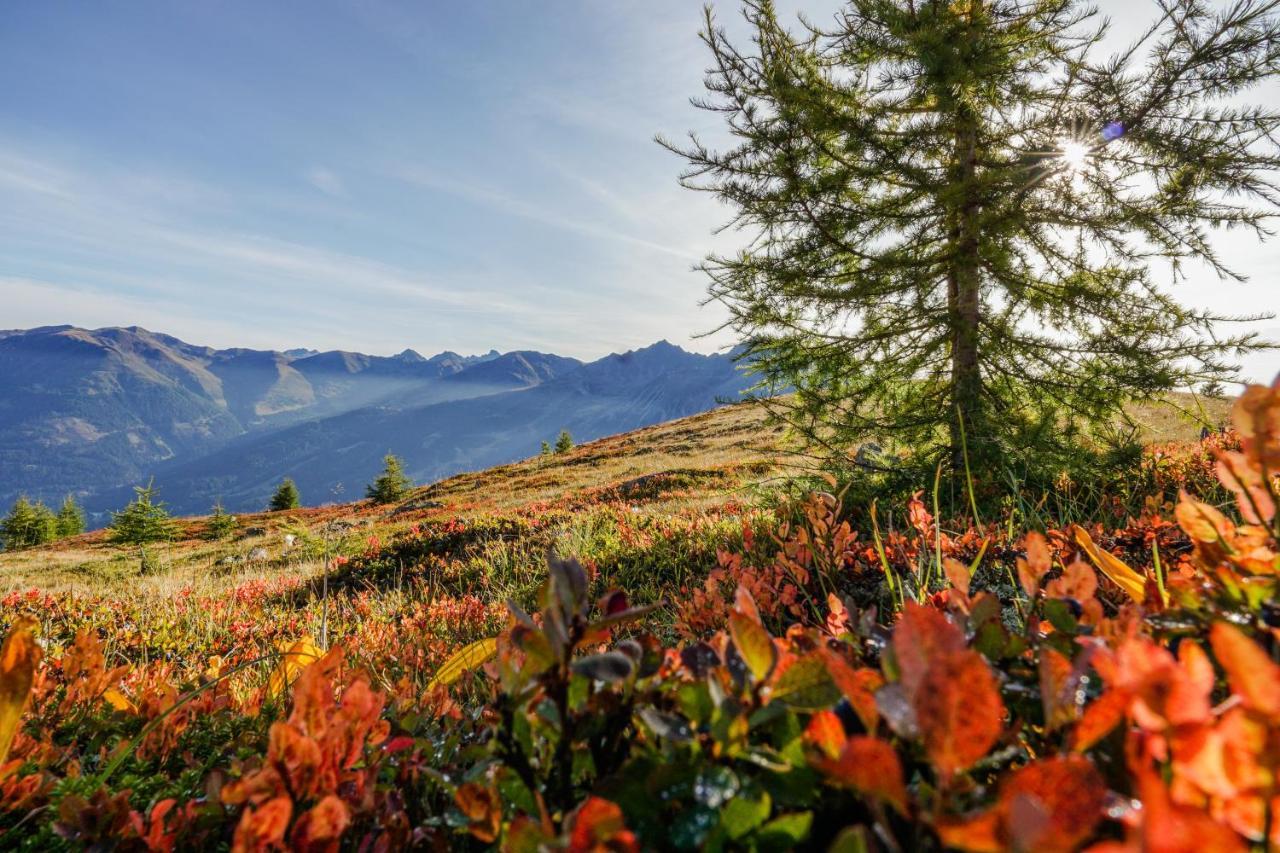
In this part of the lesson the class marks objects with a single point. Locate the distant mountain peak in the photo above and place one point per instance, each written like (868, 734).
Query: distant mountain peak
(410, 356)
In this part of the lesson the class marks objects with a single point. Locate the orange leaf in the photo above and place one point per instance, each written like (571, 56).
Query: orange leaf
(1059, 681)
(1036, 565)
(859, 686)
(1134, 584)
(1200, 521)
(1252, 674)
(921, 635)
(1170, 827)
(482, 808)
(263, 828)
(599, 825)
(1099, 718)
(18, 659)
(1053, 804)
(1252, 495)
(1256, 416)
(977, 834)
(746, 605)
(869, 766)
(322, 826)
(1048, 806)
(959, 710)
(826, 733)
(958, 574)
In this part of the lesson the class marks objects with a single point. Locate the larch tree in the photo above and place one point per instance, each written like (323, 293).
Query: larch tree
(960, 216)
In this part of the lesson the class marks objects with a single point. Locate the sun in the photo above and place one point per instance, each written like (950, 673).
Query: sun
(1074, 154)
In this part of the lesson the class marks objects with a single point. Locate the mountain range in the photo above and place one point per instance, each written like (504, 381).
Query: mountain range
(93, 412)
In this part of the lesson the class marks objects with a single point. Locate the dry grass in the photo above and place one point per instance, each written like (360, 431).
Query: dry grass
(713, 457)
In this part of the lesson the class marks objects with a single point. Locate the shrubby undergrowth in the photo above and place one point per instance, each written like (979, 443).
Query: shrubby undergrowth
(860, 678)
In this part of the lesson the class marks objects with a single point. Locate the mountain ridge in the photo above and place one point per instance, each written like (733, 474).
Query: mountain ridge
(91, 412)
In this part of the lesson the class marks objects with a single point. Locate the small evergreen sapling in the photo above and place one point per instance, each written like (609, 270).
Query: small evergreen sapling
(142, 521)
(392, 485)
(221, 524)
(564, 443)
(285, 497)
(70, 520)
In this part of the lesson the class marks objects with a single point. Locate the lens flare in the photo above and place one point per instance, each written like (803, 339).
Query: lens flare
(1074, 154)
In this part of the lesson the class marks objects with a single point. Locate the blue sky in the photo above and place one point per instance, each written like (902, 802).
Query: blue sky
(370, 175)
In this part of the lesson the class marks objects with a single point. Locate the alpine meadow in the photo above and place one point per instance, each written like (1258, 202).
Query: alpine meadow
(944, 514)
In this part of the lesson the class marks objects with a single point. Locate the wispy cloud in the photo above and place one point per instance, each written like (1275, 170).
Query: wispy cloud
(537, 213)
(326, 181)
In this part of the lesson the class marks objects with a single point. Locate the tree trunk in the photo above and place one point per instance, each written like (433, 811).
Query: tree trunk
(964, 292)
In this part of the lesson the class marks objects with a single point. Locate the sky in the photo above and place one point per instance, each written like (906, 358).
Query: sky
(375, 175)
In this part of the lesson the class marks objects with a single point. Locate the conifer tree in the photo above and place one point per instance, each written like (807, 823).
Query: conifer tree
(27, 525)
(285, 497)
(144, 520)
(70, 519)
(564, 442)
(960, 216)
(392, 484)
(221, 524)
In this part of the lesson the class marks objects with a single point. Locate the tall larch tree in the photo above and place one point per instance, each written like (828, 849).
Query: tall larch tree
(960, 217)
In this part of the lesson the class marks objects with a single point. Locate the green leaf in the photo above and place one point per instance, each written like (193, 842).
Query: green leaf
(852, 839)
(744, 814)
(786, 832)
(1059, 614)
(807, 684)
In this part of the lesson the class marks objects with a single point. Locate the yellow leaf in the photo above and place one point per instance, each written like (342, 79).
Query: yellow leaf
(119, 701)
(754, 644)
(295, 658)
(1134, 584)
(464, 660)
(18, 659)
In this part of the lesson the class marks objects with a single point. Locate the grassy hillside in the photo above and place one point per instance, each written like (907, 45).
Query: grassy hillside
(728, 456)
(331, 673)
